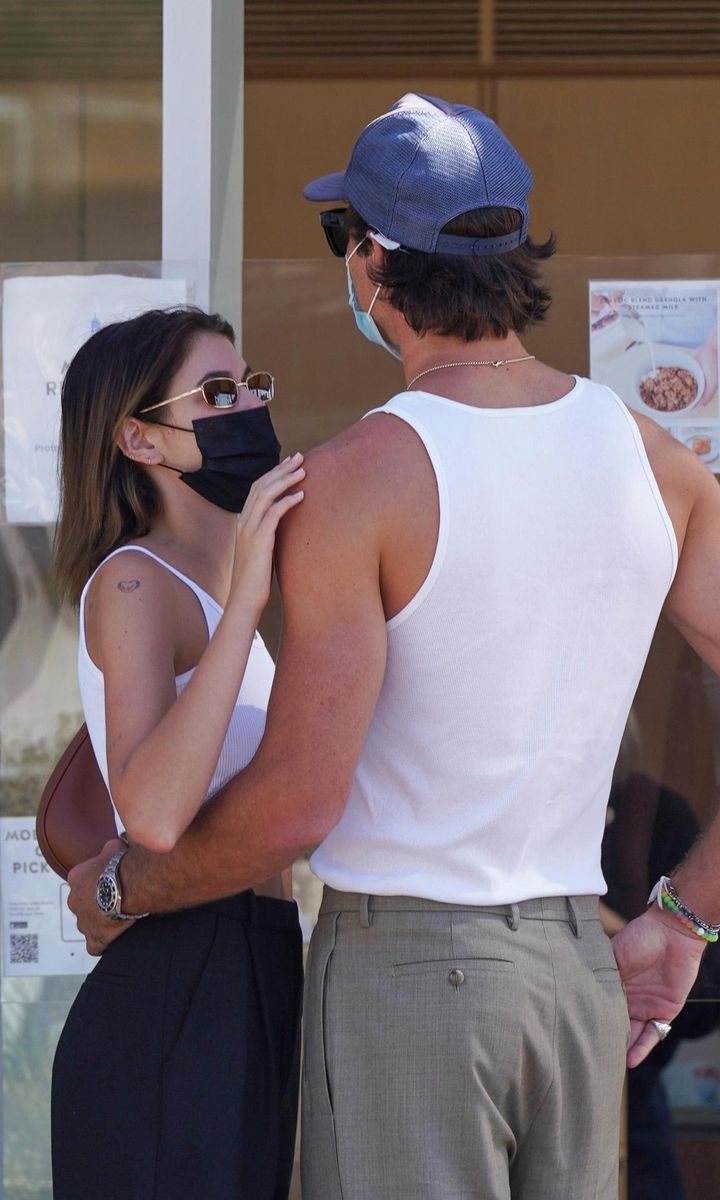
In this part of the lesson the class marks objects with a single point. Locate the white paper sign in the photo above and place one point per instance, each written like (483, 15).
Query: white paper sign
(45, 321)
(40, 936)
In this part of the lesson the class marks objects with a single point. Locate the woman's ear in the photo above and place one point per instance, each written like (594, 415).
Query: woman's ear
(137, 441)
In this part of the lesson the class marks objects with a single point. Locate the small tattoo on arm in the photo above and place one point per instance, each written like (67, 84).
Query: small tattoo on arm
(129, 585)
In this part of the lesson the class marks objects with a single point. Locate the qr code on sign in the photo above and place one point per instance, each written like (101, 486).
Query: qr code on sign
(24, 948)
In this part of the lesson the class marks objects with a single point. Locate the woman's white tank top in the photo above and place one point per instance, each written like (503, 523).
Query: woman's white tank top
(485, 773)
(247, 723)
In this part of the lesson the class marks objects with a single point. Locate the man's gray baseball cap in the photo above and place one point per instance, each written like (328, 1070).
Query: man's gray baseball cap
(425, 162)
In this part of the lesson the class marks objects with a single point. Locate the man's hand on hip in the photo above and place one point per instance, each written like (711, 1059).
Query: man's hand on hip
(98, 930)
(658, 963)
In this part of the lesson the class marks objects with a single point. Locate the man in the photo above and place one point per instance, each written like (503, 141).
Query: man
(470, 589)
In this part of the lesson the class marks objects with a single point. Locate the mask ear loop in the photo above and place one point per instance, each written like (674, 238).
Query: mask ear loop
(386, 243)
(347, 260)
(377, 293)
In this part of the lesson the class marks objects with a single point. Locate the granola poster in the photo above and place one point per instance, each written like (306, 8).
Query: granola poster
(655, 343)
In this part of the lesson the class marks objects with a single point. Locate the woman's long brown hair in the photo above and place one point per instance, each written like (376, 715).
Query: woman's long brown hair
(106, 499)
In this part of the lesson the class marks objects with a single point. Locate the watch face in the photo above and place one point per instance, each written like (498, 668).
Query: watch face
(106, 893)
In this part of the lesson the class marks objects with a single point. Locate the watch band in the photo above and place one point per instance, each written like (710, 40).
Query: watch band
(108, 895)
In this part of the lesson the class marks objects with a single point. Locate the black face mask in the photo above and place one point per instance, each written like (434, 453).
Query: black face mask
(237, 448)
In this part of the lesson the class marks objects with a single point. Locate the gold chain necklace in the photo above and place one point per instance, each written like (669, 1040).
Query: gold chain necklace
(483, 362)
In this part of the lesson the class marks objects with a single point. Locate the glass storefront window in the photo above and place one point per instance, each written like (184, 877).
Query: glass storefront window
(296, 321)
(80, 147)
(39, 700)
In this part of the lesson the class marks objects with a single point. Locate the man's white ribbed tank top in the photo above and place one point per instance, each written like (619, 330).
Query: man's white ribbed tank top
(247, 722)
(485, 774)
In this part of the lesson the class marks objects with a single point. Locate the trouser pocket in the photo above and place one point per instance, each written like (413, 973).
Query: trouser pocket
(320, 1168)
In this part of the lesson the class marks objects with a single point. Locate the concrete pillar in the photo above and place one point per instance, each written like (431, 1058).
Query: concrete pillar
(202, 200)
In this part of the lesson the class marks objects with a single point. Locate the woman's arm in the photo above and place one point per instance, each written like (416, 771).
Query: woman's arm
(162, 748)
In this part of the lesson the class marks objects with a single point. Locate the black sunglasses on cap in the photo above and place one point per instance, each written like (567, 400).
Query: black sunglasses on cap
(335, 230)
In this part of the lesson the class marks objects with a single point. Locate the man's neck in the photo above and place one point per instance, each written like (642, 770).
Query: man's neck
(462, 371)
(432, 350)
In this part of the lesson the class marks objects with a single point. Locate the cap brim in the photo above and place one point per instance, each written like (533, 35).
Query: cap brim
(327, 187)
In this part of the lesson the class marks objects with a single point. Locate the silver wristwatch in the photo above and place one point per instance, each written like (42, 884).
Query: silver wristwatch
(108, 895)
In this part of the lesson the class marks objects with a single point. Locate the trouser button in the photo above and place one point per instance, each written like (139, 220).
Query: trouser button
(456, 977)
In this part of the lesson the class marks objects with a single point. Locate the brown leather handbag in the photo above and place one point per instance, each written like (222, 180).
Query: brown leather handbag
(75, 818)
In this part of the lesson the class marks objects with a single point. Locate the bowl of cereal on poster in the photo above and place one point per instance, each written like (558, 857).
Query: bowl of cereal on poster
(674, 386)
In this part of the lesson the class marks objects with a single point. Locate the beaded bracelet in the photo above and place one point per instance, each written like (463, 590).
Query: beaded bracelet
(666, 896)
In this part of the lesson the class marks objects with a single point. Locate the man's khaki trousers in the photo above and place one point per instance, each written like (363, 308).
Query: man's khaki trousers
(459, 1053)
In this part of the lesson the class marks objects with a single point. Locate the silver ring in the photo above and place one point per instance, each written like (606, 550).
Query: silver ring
(662, 1028)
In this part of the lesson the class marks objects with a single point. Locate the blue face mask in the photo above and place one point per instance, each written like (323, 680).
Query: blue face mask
(364, 321)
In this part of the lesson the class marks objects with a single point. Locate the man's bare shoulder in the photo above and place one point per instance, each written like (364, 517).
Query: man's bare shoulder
(365, 461)
(352, 482)
(366, 444)
(686, 485)
(669, 457)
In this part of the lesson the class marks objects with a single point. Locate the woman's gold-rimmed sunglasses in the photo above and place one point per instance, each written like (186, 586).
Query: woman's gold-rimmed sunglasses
(222, 391)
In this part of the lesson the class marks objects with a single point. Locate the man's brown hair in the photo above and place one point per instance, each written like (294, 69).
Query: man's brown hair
(464, 296)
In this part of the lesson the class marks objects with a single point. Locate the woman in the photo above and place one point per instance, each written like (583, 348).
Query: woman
(175, 1075)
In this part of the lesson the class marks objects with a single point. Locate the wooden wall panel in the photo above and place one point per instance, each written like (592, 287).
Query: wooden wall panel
(617, 28)
(622, 166)
(291, 32)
